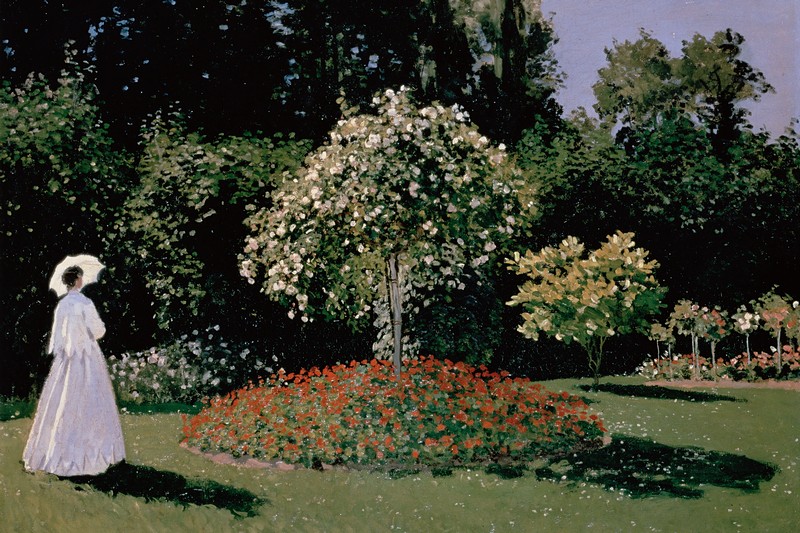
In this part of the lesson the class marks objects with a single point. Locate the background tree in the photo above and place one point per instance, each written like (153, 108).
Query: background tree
(716, 80)
(182, 222)
(577, 172)
(698, 208)
(587, 299)
(637, 86)
(407, 195)
(269, 66)
(60, 183)
(516, 74)
(642, 83)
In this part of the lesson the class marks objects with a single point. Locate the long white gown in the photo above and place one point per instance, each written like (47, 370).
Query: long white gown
(76, 430)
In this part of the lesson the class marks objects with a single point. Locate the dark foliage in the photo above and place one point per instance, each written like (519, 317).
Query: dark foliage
(713, 201)
(277, 66)
(506, 471)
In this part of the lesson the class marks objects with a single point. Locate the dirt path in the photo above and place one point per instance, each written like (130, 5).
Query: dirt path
(727, 384)
(249, 462)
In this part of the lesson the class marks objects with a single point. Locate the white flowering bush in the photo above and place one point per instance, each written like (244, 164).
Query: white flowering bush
(187, 370)
(419, 184)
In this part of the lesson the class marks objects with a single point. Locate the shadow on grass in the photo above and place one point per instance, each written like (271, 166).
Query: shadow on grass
(663, 393)
(643, 468)
(158, 485)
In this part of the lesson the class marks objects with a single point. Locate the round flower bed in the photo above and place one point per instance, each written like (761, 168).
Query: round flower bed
(437, 414)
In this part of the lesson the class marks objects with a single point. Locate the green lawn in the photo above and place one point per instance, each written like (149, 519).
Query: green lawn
(763, 426)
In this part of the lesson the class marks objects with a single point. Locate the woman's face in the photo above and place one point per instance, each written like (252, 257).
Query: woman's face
(79, 282)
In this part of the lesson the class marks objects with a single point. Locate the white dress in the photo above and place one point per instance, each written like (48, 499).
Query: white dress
(76, 430)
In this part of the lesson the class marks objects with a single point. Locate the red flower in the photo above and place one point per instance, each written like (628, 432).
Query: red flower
(346, 410)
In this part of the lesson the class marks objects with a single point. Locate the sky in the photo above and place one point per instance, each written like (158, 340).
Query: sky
(771, 29)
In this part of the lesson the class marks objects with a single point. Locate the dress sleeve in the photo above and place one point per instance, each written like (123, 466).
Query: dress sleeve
(93, 322)
(54, 334)
(62, 334)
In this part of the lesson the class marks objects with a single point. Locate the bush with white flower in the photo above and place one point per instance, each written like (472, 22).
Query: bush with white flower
(186, 370)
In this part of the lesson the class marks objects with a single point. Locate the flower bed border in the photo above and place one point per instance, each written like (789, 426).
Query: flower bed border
(728, 384)
(223, 458)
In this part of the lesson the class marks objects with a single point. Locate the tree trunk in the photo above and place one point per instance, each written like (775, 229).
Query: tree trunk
(714, 358)
(396, 311)
(669, 360)
(595, 352)
(747, 342)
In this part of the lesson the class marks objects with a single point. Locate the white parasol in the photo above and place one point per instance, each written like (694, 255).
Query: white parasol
(90, 265)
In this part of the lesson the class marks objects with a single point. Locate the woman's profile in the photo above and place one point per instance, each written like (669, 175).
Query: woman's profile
(76, 430)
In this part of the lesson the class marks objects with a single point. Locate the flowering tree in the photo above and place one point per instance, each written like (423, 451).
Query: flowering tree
(587, 298)
(662, 333)
(745, 322)
(713, 327)
(793, 323)
(774, 311)
(685, 318)
(406, 197)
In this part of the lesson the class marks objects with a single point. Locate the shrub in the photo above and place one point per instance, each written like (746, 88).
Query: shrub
(677, 367)
(760, 366)
(187, 370)
(587, 298)
(437, 413)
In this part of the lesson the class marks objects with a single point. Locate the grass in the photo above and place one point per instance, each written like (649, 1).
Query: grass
(757, 436)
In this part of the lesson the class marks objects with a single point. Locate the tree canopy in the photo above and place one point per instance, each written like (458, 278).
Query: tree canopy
(418, 184)
(233, 67)
(170, 125)
(587, 298)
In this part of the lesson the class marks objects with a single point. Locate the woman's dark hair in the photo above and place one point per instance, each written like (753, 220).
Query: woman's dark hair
(71, 275)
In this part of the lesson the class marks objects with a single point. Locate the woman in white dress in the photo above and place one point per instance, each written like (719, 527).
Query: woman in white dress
(76, 430)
